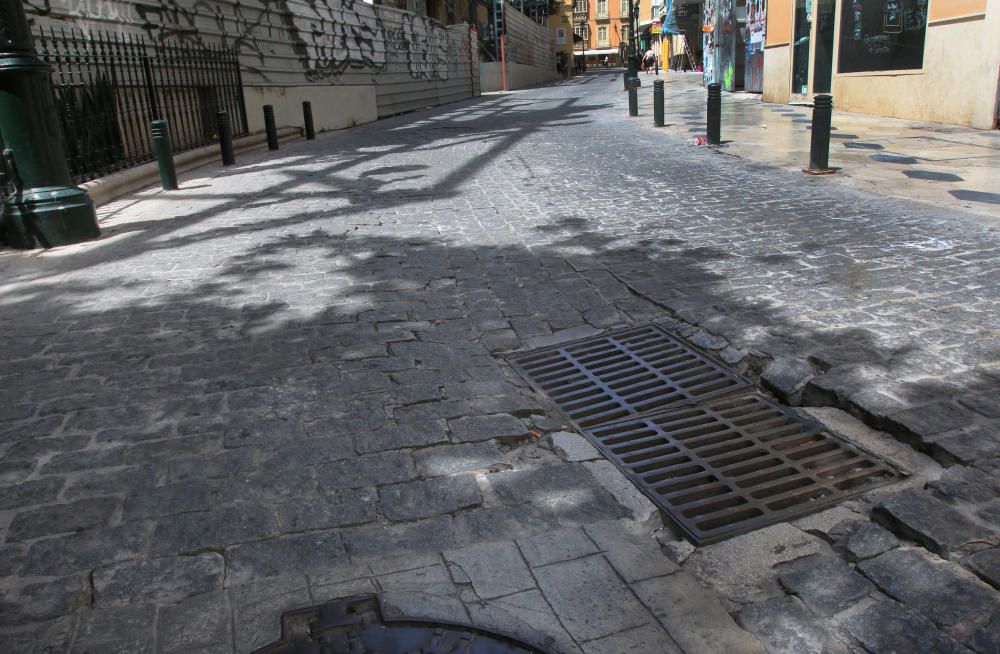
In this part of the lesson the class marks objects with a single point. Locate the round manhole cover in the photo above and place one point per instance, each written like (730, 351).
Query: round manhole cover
(358, 626)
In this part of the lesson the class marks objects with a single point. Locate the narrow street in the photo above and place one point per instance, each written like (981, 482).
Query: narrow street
(288, 383)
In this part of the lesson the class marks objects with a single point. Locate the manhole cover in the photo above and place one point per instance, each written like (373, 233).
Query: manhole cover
(623, 374)
(358, 626)
(736, 464)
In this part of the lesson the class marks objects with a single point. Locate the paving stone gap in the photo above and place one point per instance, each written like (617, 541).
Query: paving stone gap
(293, 381)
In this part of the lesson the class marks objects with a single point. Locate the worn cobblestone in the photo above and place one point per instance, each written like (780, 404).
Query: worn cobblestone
(274, 346)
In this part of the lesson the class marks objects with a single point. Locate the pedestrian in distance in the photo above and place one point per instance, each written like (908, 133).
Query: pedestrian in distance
(649, 60)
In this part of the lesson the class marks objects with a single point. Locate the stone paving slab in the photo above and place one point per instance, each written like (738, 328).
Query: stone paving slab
(286, 383)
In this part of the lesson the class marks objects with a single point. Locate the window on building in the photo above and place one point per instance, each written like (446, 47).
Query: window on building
(882, 35)
(602, 8)
(624, 7)
(580, 6)
(582, 31)
(602, 36)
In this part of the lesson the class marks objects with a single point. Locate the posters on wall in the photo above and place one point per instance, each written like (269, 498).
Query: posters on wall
(754, 39)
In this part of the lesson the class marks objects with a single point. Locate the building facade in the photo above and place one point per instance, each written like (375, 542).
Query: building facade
(933, 60)
(602, 26)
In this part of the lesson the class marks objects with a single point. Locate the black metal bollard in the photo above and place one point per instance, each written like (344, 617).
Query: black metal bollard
(658, 102)
(307, 120)
(164, 155)
(225, 138)
(714, 117)
(272, 131)
(819, 147)
(633, 97)
(625, 78)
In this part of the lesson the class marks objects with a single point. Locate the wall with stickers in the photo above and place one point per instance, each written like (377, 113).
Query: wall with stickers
(354, 60)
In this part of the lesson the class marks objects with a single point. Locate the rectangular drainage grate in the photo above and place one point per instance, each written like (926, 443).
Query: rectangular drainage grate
(736, 464)
(623, 374)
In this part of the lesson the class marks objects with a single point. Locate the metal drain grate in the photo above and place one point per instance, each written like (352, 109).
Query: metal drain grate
(736, 464)
(623, 374)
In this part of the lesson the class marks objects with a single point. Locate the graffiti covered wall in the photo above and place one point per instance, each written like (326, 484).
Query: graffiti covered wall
(411, 60)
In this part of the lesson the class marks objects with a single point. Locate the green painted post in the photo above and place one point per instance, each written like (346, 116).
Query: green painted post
(658, 102)
(45, 209)
(164, 155)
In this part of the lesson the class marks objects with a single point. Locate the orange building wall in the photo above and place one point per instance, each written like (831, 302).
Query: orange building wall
(779, 22)
(945, 9)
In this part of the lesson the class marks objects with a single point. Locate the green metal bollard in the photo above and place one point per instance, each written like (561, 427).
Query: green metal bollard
(46, 209)
(272, 131)
(633, 97)
(658, 102)
(307, 120)
(164, 155)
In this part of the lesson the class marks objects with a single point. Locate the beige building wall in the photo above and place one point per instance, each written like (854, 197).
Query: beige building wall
(958, 83)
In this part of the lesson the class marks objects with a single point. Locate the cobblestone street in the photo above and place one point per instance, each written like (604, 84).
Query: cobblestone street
(286, 383)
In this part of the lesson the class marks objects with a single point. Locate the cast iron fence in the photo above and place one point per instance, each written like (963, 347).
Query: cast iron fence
(108, 87)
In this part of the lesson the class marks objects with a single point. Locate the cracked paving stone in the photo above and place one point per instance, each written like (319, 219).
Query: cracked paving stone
(694, 617)
(783, 624)
(867, 541)
(452, 459)
(482, 428)
(556, 545)
(589, 598)
(202, 623)
(524, 615)
(493, 569)
(74, 516)
(84, 550)
(941, 590)
(165, 580)
(885, 626)
(826, 584)
(370, 470)
(298, 554)
(41, 601)
(986, 564)
(423, 499)
(192, 532)
(568, 491)
(352, 507)
(917, 515)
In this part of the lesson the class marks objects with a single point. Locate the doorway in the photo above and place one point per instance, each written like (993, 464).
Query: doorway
(812, 52)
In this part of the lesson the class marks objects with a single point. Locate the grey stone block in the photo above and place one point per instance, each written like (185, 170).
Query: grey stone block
(641, 509)
(452, 459)
(743, 568)
(423, 499)
(589, 598)
(917, 515)
(942, 591)
(526, 616)
(888, 627)
(185, 497)
(867, 541)
(11, 558)
(694, 617)
(502, 523)
(84, 550)
(34, 602)
(164, 580)
(258, 606)
(193, 532)
(376, 541)
(493, 569)
(783, 626)
(483, 428)
(198, 624)
(986, 564)
(61, 518)
(555, 546)
(291, 555)
(226, 463)
(567, 491)
(785, 377)
(634, 556)
(353, 507)
(826, 584)
(371, 470)
(125, 629)
(575, 447)
(647, 638)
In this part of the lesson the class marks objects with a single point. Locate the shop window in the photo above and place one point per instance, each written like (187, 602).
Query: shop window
(880, 35)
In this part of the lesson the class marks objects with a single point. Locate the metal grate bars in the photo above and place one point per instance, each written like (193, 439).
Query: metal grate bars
(624, 374)
(736, 464)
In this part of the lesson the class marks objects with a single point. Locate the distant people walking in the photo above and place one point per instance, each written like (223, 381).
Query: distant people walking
(649, 61)
(606, 61)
